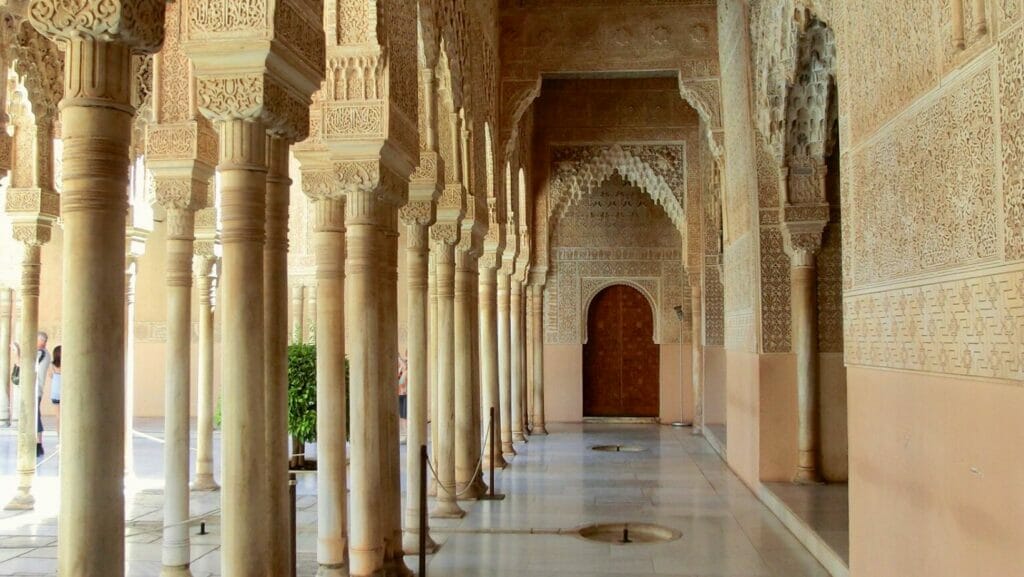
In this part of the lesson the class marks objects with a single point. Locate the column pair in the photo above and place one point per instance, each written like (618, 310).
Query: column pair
(536, 311)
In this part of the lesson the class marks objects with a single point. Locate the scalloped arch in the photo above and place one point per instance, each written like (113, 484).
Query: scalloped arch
(570, 183)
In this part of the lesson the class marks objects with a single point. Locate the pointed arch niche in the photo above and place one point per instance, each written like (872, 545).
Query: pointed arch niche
(615, 218)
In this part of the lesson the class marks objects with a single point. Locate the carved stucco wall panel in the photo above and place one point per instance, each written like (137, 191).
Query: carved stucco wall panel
(925, 196)
(613, 235)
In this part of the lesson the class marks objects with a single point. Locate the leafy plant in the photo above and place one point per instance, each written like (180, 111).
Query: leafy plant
(302, 392)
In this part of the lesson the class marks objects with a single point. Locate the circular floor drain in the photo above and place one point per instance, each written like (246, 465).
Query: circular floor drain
(618, 448)
(628, 533)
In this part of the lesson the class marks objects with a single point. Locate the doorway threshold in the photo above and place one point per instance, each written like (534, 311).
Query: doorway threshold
(622, 420)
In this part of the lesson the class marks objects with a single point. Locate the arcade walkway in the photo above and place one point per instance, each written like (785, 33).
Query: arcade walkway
(556, 483)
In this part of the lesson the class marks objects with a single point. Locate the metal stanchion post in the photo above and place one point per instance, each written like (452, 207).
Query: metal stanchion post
(423, 511)
(492, 447)
(291, 499)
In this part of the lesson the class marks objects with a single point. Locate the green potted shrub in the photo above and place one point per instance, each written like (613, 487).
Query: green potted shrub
(301, 398)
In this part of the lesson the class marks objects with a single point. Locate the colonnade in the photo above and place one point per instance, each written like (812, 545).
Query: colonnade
(476, 331)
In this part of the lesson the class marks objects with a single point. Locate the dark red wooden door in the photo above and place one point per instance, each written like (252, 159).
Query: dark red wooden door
(620, 359)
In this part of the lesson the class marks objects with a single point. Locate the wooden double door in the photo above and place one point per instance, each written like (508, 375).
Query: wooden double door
(620, 359)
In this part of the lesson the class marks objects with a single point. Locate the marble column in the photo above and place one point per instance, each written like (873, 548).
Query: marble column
(518, 380)
(246, 546)
(6, 312)
(309, 330)
(392, 513)
(362, 302)
(432, 365)
(332, 467)
(26, 462)
(505, 363)
(537, 337)
(177, 374)
(697, 354)
(131, 272)
(528, 373)
(490, 388)
(96, 119)
(204, 480)
(804, 277)
(297, 312)
(417, 231)
(445, 237)
(275, 318)
(467, 428)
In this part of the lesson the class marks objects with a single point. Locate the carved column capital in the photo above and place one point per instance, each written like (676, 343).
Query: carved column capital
(421, 213)
(138, 24)
(803, 241)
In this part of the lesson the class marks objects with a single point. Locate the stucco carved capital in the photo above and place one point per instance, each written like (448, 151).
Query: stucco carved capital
(179, 192)
(138, 24)
(33, 203)
(32, 232)
(803, 241)
(418, 213)
(445, 234)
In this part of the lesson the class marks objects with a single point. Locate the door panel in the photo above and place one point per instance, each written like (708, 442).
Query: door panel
(620, 359)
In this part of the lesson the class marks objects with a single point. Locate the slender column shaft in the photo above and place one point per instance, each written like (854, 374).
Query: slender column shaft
(697, 357)
(246, 545)
(275, 303)
(432, 354)
(467, 430)
(204, 480)
(131, 273)
(416, 283)
(308, 329)
(177, 373)
(537, 336)
(489, 359)
(6, 311)
(518, 382)
(394, 556)
(96, 128)
(444, 452)
(331, 473)
(26, 462)
(805, 343)
(297, 298)
(505, 364)
(527, 306)
(366, 532)
(474, 339)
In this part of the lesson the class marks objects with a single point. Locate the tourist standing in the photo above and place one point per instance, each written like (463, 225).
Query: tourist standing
(55, 383)
(42, 367)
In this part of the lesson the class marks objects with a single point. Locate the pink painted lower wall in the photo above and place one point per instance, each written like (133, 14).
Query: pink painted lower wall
(777, 416)
(563, 383)
(936, 475)
(742, 414)
(714, 385)
(835, 456)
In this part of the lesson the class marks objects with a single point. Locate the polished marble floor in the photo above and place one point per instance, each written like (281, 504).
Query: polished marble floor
(554, 485)
(825, 509)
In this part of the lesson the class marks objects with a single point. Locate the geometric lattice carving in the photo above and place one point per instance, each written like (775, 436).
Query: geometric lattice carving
(970, 327)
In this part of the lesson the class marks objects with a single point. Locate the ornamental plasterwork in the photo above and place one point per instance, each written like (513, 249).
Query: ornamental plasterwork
(658, 170)
(616, 235)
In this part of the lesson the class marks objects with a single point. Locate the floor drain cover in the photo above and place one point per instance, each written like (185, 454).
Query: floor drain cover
(628, 533)
(618, 448)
